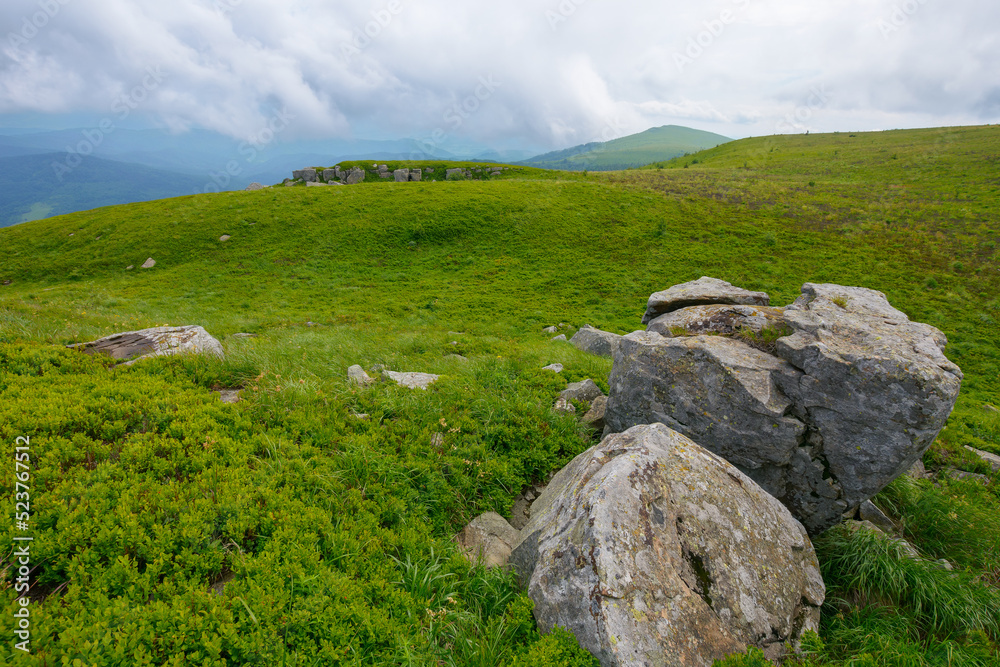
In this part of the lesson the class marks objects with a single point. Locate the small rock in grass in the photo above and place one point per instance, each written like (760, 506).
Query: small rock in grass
(129, 267)
(550, 330)
(595, 416)
(229, 395)
(992, 459)
(412, 380)
(585, 391)
(563, 405)
(555, 368)
(150, 263)
(357, 375)
(488, 540)
(225, 237)
(869, 512)
(560, 337)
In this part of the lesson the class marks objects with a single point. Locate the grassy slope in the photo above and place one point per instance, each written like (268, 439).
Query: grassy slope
(658, 143)
(387, 274)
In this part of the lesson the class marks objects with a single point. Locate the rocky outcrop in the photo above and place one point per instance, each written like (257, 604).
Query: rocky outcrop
(307, 175)
(702, 292)
(850, 399)
(653, 551)
(354, 176)
(594, 341)
(130, 346)
(401, 175)
(488, 540)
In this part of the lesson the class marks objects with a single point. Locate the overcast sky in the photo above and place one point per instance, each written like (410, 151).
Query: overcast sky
(528, 73)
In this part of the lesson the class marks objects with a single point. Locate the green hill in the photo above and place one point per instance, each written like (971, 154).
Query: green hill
(32, 190)
(636, 150)
(311, 522)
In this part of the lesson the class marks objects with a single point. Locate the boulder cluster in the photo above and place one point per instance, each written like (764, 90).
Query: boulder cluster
(733, 431)
(317, 176)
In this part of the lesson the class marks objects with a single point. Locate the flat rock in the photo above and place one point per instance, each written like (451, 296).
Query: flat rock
(224, 238)
(315, 184)
(229, 395)
(488, 540)
(653, 551)
(869, 512)
(555, 368)
(131, 346)
(717, 319)
(412, 380)
(594, 341)
(702, 292)
(357, 375)
(992, 459)
(550, 330)
(585, 391)
(963, 475)
(149, 263)
(560, 337)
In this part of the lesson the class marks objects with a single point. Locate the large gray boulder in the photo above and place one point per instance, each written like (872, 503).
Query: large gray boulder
(401, 175)
(416, 174)
(594, 341)
(848, 402)
(585, 391)
(702, 292)
(307, 175)
(654, 551)
(355, 176)
(330, 174)
(130, 346)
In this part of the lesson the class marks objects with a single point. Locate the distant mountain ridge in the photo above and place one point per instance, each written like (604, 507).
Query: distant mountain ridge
(636, 150)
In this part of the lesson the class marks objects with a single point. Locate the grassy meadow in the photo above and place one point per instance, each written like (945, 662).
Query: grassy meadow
(311, 523)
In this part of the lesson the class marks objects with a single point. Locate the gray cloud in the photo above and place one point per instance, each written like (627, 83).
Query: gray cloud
(561, 71)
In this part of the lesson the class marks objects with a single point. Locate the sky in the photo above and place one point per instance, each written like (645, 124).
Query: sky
(542, 74)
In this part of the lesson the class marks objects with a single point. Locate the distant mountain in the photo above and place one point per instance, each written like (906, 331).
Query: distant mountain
(637, 150)
(31, 190)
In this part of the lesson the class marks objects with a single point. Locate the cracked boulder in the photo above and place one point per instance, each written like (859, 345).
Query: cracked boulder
(594, 341)
(130, 346)
(702, 292)
(654, 551)
(717, 319)
(850, 399)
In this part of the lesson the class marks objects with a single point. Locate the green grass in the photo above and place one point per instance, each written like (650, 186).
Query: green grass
(334, 532)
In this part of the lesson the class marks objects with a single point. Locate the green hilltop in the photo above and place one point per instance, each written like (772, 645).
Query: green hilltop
(170, 528)
(636, 150)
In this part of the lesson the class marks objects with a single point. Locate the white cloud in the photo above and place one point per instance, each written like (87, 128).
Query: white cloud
(392, 68)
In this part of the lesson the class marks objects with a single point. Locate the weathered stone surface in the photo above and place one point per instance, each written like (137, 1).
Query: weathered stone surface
(555, 368)
(869, 512)
(595, 416)
(229, 395)
(992, 459)
(224, 238)
(918, 471)
(560, 337)
(963, 475)
(653, 551)
(488, 539)
(521, 511)
(149, 263)
(357, 375)
(412, 380)
(563, 405)
(552, 329)
(307, 175)
(595, 341)
(330, 174)
(585, 391)
(254, 186)
(131, 346)
(852, 400)
(315, 184)
(702, 292)
(355, 176)
(416, 174)
(717, 319)
(401, 175)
